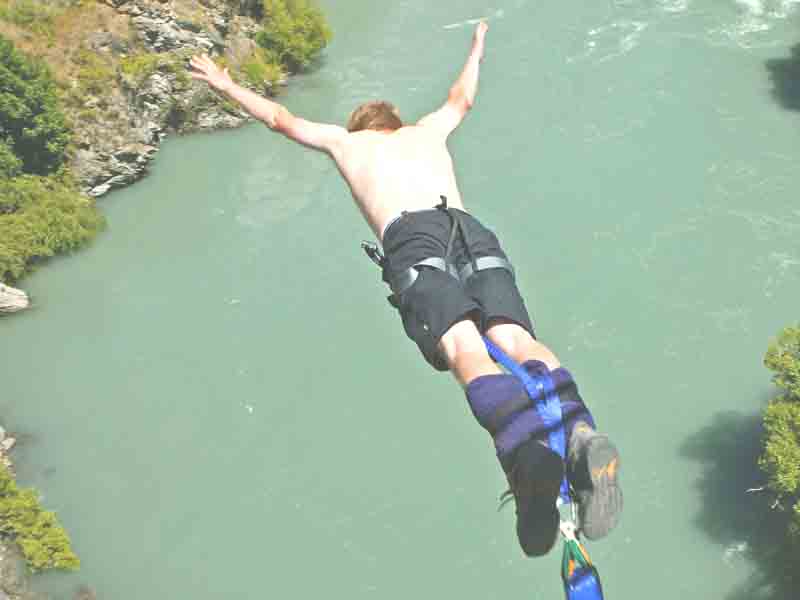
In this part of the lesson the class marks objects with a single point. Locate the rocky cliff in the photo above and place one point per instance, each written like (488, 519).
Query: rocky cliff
(145, 46)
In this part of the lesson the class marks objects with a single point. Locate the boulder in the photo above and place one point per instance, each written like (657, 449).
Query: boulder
(12, 299)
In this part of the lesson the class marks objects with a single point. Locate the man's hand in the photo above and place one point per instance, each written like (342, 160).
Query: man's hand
(480, 31)
(477, 39)
(206, 70)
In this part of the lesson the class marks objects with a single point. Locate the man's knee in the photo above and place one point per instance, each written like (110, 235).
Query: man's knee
(463, 336)
(465, 352)
(517, 342)
(510, 336)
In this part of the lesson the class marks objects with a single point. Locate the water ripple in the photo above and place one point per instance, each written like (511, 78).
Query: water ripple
(610, 41)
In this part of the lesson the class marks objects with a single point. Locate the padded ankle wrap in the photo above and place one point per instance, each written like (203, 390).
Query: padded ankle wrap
(573, 408)
(501, 405)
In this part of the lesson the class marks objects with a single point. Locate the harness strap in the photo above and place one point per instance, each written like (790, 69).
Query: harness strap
(400, 282)
(405, 279)
(484, 262)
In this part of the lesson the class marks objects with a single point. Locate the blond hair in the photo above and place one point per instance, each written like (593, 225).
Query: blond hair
(375, 115)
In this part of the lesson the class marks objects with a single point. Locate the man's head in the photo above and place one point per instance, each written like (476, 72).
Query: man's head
(376, 115)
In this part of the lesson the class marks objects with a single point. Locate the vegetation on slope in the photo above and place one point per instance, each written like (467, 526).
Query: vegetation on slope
(41, 211)
(43, 541)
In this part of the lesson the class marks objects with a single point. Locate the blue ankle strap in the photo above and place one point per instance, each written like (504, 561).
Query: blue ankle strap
(544, 397)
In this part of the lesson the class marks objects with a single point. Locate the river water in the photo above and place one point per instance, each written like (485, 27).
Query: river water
(219, 402)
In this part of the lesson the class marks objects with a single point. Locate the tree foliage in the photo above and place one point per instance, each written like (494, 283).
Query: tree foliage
(293, 33)
(10, 165)
(41, 211)
(42, 539)
(31, 123)
(39, 217)
(781, 457)
(783, 359)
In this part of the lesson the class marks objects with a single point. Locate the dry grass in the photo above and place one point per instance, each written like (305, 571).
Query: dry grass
(69, 33)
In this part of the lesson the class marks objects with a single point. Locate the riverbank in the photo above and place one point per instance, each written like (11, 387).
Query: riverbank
(14, 583)
(120, 69)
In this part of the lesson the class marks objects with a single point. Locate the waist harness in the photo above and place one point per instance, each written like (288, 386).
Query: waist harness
(400, 282)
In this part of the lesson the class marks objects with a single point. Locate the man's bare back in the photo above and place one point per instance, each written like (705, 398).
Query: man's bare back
(394, 171)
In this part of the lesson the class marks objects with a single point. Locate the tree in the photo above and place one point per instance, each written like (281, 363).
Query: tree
(32, 127)
(781, 458)
(294, 33)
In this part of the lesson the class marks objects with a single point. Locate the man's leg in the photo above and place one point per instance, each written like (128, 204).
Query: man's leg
(592, 460)
(465, 352)
(500, 404)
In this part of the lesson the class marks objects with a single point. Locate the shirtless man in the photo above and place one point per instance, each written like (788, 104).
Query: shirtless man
(451, 283)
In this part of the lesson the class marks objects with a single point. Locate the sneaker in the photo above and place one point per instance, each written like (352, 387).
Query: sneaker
(593, 468)
(534, 475)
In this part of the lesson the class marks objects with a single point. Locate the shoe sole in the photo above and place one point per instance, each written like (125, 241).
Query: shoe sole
(537, 526)
(600, 506)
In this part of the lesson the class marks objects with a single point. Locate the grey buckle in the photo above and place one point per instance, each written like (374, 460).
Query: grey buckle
(484, 262)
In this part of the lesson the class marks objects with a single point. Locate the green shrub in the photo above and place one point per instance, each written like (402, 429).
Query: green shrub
(783, 359)
(258, 71)
(43, 541)
(294, 32)
(95, 75)
(33, 16)
(39, 217)
(10, 165)
(137, 68)
(31, 123)
(780, 460)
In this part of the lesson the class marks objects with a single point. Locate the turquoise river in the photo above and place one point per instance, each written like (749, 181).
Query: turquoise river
(219, 402)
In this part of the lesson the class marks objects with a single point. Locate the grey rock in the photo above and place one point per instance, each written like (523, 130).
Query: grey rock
(116, 170)
(101, 40)
(84, 592)
(188, 25)
(131, 9)
(222, 24)
(216, 39)
(99, 190)
(12, 300)
(251, 8)
(113, 153)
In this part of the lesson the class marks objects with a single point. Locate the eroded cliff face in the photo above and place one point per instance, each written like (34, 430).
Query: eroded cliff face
(147, 43)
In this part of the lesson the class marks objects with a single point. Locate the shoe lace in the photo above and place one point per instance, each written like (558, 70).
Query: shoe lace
(506, 496)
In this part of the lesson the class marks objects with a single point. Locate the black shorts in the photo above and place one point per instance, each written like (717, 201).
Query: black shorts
(437, 300)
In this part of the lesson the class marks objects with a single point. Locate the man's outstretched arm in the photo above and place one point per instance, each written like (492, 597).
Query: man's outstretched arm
(319, 136)
(463, 91)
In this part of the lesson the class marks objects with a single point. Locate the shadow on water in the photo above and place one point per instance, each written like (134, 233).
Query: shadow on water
(785, 76)
(741, 522)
